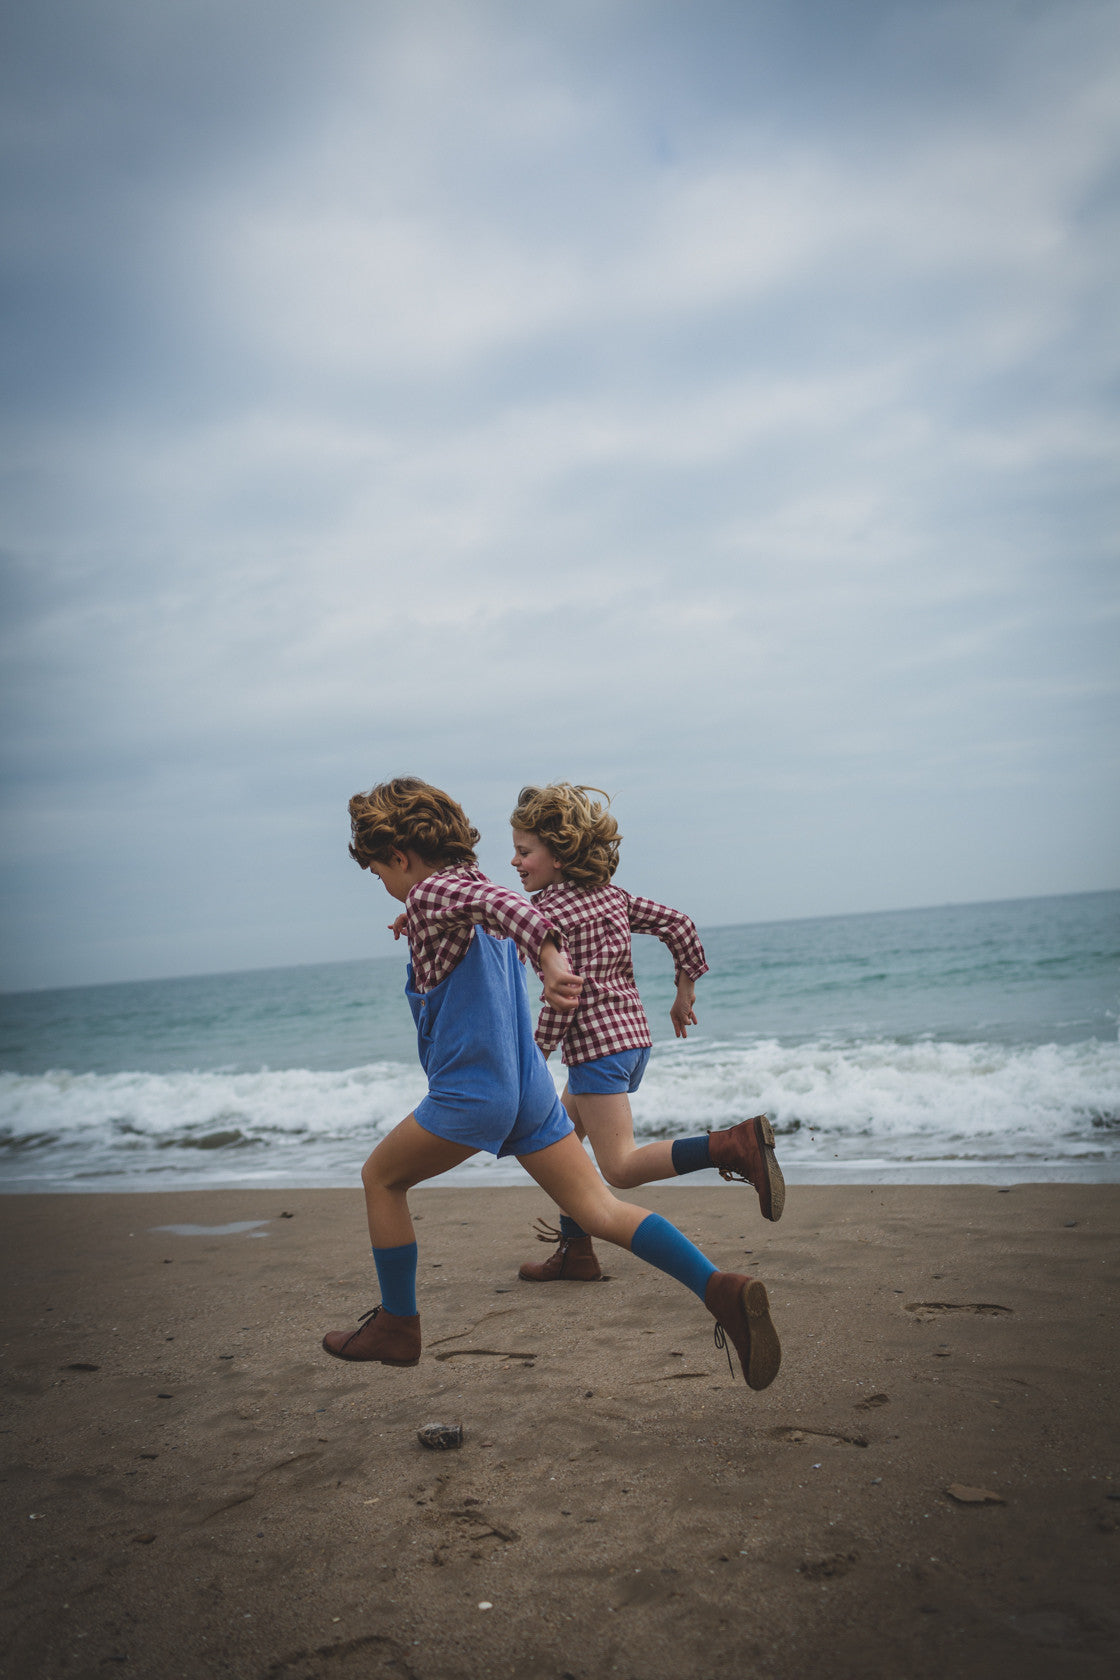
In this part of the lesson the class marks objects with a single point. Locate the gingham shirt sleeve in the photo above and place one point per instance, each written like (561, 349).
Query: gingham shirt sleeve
(674, 929)
(441, 911)
(551, 1027)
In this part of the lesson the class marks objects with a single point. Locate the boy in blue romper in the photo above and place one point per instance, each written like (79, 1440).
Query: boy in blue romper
(488, 1086)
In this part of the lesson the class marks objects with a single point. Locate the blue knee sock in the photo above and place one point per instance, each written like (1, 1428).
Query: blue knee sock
(396, 1273)
(570, 1227)
(666, 1248)
(691, 1154)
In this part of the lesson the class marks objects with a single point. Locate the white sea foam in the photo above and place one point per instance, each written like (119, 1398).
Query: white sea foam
(878, 1104)
(945, 1097)
(190, 1110)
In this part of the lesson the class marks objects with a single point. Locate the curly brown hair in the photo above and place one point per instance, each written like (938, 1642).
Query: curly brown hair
(580, 833)
(410, 815)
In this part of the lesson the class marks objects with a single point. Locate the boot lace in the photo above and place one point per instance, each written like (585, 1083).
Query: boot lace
(721, 1342)
(372, 1313)
(546, 1233)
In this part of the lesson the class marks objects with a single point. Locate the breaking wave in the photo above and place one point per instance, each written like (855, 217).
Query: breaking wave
(873, 1105)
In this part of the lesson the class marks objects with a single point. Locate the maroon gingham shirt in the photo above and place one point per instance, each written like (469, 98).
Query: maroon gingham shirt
(441, 914)
(596, 923)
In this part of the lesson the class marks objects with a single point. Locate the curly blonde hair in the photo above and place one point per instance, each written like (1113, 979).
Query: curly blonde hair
(409, 815)
(580, 833)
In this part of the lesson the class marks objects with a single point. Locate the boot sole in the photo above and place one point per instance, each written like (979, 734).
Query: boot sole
(527, 1278)
(776, 1184)
(365, 1359)
(764, 1355)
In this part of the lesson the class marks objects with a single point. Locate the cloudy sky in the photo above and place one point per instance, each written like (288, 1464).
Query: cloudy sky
(712, 400)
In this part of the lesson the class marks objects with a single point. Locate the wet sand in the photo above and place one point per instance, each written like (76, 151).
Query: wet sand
(194, 1489)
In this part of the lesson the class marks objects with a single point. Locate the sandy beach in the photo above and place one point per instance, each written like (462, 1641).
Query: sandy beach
(930, 1488)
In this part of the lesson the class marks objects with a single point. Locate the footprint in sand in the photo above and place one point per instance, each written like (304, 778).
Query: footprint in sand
(485, 1353)
(927, 1310)
(795, 1434)
(825, 1568)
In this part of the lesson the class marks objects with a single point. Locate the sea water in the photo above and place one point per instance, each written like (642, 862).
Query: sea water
(964, 1043)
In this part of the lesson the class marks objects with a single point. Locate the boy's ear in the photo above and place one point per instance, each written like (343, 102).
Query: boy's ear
(401, 860)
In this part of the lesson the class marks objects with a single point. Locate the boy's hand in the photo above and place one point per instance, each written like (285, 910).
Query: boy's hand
(682, 1013)
(397, 928)
(561, 986)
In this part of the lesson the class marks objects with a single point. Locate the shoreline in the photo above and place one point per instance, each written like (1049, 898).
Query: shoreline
(194, 1487)
(494, 1175)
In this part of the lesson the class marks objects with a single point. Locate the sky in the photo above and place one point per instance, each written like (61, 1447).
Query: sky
(713, 402)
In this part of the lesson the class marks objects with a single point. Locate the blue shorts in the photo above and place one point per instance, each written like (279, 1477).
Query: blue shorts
(529, 1133)
(488, 1085)
(607, 1075)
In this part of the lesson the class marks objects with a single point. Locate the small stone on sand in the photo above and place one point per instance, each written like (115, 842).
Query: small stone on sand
(440, 1436)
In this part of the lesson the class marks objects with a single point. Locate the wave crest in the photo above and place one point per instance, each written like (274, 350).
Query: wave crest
(830, 1101)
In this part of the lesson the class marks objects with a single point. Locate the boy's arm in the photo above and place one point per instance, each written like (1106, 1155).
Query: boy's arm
(552, 1024)
(677, 931)
(455, 896)
(561, 986)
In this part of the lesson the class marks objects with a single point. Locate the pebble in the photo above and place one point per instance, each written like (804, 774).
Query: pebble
(440, 1436)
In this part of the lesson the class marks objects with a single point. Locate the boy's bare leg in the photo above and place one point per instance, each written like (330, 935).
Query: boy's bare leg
(565, 1173)
(403, 1159)
(744, 1152)
(738, 1303)
(406, 1157)
(609, 1125)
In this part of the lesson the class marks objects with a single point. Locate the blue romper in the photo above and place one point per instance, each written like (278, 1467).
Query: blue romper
(488, 1086)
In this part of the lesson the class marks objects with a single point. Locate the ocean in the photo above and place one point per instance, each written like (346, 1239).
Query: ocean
(964, 1043)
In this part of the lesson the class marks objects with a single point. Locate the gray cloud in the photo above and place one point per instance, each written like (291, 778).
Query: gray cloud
(714, 403)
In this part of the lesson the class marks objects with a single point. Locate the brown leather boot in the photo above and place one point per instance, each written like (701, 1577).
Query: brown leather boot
(741, 1309)
(575, 1261)
(746, 1152)
(380, 1335)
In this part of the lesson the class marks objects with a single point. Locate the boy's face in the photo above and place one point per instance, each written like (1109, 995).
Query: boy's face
(534, 862)
(398, 876)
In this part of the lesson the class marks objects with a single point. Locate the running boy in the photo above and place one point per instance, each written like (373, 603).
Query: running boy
(565, 849)
(488, 1086)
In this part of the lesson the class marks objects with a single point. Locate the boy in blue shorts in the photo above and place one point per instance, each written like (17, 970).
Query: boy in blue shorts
(488, 1086)
(566, 850)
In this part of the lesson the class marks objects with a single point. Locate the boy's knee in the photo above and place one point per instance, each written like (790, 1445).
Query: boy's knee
(375, 1176)
(380, 1178)
(618, 1171)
